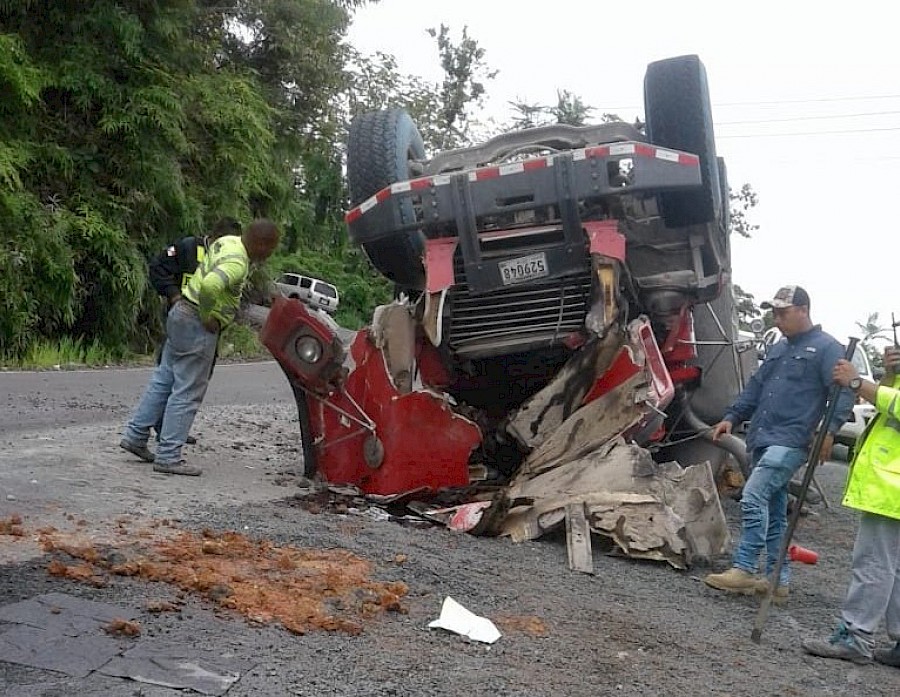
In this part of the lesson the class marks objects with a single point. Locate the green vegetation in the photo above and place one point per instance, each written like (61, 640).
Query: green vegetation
(126, 124)
(65, 353)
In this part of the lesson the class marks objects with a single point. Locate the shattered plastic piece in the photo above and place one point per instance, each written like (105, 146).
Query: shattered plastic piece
(457, 619)
(463, 517)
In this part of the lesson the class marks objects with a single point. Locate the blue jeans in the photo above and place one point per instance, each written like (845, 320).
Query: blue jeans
(764, 509)
(177, 386)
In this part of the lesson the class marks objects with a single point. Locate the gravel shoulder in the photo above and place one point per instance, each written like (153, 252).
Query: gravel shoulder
(633, 628)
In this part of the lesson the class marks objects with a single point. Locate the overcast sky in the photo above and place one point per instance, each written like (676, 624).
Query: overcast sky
(806, 104)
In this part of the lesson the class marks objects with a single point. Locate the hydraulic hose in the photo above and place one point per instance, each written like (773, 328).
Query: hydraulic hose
(728, 442)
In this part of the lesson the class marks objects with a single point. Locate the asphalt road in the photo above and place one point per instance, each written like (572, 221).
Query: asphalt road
(633, 628)
(32, 401)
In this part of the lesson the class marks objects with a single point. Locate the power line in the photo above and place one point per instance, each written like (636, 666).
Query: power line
(812, 100)
(808, 133)
(773, 102)
(809, 118)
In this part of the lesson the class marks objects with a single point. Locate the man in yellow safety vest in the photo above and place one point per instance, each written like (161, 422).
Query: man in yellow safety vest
(208, 303)
(172, 269)
(873, 487)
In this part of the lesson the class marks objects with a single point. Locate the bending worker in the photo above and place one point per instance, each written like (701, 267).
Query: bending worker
(210, 303)
(172, 269)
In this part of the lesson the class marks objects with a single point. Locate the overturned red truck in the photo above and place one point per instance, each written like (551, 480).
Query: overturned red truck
(564, 328)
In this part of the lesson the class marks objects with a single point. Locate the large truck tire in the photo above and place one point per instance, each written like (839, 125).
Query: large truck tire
(380, 147)
(679, 116)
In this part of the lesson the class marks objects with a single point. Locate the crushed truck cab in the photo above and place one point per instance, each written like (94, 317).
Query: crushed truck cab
(563, 330)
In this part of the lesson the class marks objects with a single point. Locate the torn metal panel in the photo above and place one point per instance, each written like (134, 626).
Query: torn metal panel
(578, 539)
(393, 331)
(649, 511)
(588, 429)
(539, 417)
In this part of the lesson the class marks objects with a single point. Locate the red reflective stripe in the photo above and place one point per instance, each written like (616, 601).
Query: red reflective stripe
(482, 174)
(539, 163)
(598, 151)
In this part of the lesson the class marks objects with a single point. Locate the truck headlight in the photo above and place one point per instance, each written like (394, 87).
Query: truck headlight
(309, 349)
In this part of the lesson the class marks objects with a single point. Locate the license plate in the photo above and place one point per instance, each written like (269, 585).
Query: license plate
(524, 269)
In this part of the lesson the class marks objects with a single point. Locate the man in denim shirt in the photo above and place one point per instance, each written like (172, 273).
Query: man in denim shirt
(784, 401)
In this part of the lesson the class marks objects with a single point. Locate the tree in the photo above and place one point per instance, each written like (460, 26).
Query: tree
(127, 123)
(570, 109)
(872, 331)
(746, 309)
(376, 83)
(463, 87)
(526, 115)
(742, 202)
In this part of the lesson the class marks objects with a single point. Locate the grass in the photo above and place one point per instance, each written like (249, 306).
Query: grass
(65, 353)
(238, 342)
(241, 342)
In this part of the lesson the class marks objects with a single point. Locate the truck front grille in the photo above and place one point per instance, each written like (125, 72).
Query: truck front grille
(517, 318)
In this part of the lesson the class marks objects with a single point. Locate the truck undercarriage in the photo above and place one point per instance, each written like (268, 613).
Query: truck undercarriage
(544, 340)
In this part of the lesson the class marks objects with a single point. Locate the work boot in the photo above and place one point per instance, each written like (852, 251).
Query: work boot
(180, 467)
(779, 597)
(734, 580)
(142, 451)
(889, 657)
(842, 645)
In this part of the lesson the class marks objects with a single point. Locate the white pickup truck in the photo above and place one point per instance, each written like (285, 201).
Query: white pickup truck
(313, 291)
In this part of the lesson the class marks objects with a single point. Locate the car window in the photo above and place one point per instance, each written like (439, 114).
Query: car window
(305, 282)
(288, 280)
(861, 363)
(326, 289)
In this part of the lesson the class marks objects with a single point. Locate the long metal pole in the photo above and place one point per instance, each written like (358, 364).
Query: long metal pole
(763, 612)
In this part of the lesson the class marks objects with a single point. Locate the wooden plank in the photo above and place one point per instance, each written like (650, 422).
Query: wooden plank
(578, 539)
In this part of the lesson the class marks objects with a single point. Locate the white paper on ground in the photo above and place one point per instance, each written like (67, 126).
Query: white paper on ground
(455, 618)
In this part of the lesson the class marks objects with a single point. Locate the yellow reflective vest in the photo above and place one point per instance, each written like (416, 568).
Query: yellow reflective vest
(215, 288)
(873, 484)
(202, 246)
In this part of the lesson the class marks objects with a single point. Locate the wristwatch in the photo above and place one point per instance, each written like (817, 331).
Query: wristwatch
(855, 384)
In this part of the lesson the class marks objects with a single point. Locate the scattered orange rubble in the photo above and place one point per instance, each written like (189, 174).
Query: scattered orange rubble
(157, 606)
(12, 526)
(77, 572)
(302, 589)
(533, 626)
(122, 627)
